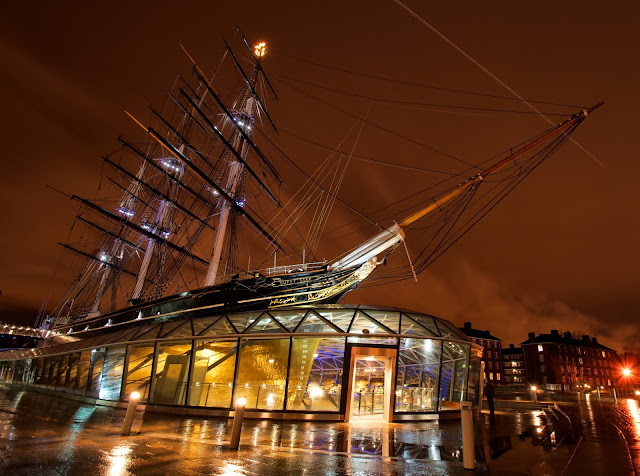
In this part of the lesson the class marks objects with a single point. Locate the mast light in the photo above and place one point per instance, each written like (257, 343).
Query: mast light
(260, 49)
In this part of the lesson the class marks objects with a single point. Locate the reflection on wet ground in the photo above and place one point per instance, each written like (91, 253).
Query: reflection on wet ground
(73, 437)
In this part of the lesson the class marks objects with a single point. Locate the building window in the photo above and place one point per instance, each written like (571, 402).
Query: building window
(541, 357)
(539, 347)
(603, 355)
(542, 368)
(497, 375)
(490, 375)
(514, 364)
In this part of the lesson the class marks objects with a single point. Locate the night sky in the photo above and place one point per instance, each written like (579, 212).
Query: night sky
(561, 252)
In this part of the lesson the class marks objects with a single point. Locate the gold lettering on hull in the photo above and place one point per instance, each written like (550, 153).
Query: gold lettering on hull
(312, 296)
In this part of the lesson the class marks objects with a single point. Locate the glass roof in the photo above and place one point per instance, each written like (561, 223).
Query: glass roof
(329, 320)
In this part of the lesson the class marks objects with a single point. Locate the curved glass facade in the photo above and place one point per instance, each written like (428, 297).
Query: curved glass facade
(293, 361)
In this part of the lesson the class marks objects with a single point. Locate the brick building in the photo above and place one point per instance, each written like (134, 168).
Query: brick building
(491, 354)
(560, 361)
(513, 365)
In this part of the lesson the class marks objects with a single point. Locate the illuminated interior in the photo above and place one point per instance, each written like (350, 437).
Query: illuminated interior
(281, 361)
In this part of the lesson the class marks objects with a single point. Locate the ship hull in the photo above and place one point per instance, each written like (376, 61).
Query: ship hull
(259, 292)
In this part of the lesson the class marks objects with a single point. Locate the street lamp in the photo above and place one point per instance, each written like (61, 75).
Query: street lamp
(534, 395)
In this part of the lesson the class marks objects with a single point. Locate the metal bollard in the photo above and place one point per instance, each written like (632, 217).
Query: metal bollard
(131, 411)
(615, 397)
(468, 448)
(598, 387)
(237, 423)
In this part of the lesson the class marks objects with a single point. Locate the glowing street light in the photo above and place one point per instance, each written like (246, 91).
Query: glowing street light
(626, 372)
(260, 49)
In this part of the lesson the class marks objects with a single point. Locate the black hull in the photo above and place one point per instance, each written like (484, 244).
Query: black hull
(260, 292)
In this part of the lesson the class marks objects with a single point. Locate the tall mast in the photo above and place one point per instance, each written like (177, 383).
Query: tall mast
(245, 120)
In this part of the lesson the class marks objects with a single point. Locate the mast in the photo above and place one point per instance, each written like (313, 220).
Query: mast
(392, 236)
(235, 175)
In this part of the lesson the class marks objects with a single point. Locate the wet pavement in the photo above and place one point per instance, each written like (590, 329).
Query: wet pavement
(44, 434)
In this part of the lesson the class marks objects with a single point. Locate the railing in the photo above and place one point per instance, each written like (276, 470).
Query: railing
(296, 268)
(415, 399)
(369, 401)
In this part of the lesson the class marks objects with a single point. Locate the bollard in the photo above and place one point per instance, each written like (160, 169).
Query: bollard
(468, 449)
(237, 423)
(131, 411)
(534, 394)
(615, 397)
(598, 387)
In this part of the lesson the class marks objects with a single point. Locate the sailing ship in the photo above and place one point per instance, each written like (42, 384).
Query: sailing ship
(188, 185)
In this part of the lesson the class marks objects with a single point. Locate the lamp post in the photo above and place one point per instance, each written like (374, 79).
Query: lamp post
(131, 411)
(237, 423)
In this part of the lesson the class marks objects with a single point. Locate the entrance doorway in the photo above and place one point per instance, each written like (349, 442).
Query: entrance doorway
(371, 379)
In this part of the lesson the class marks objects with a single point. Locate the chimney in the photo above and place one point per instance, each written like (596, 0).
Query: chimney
(594, 340)
(567, 335)
(532, 335)
(555, 333)
(467, 326)
(512, 346)
(585, 338)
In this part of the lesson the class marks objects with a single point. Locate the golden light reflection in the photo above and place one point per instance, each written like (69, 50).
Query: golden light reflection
(635, 414)
(119, 459)
(260, 49)
(229, 469)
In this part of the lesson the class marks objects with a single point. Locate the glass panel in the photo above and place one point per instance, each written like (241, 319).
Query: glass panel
(265, 324)
(373, 340)
(183, 330)
(95, 372)
(213, 369)
(427, 322)
(313, 324)
(413, 327)
(222, 326)
(111, 380)
(201, 324)
(139, 371)
(339, 317)
(149, 333)
(289, 319)
(262, 372)
(244, 320)
(73, 372)
(170, 326)
(46, 369)
(449, 330)
(315, 376)
(390, 319)
(473, 391)
(418, 369)
(83, 371)
(39, 371)
(362, 324)
(453, 374)
(63, 368)
(172, 371)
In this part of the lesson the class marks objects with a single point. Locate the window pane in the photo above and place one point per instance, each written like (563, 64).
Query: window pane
(63, 367)
(262, 372)
(213, 369)
(73, 372)
(95, 372)
(418, 365)
(315, 376)
(111, 380)
(453, 374)
(83, 371)
(172, 370)
(139, 371)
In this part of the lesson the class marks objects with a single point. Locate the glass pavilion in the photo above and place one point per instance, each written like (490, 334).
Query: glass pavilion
(329, 362)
